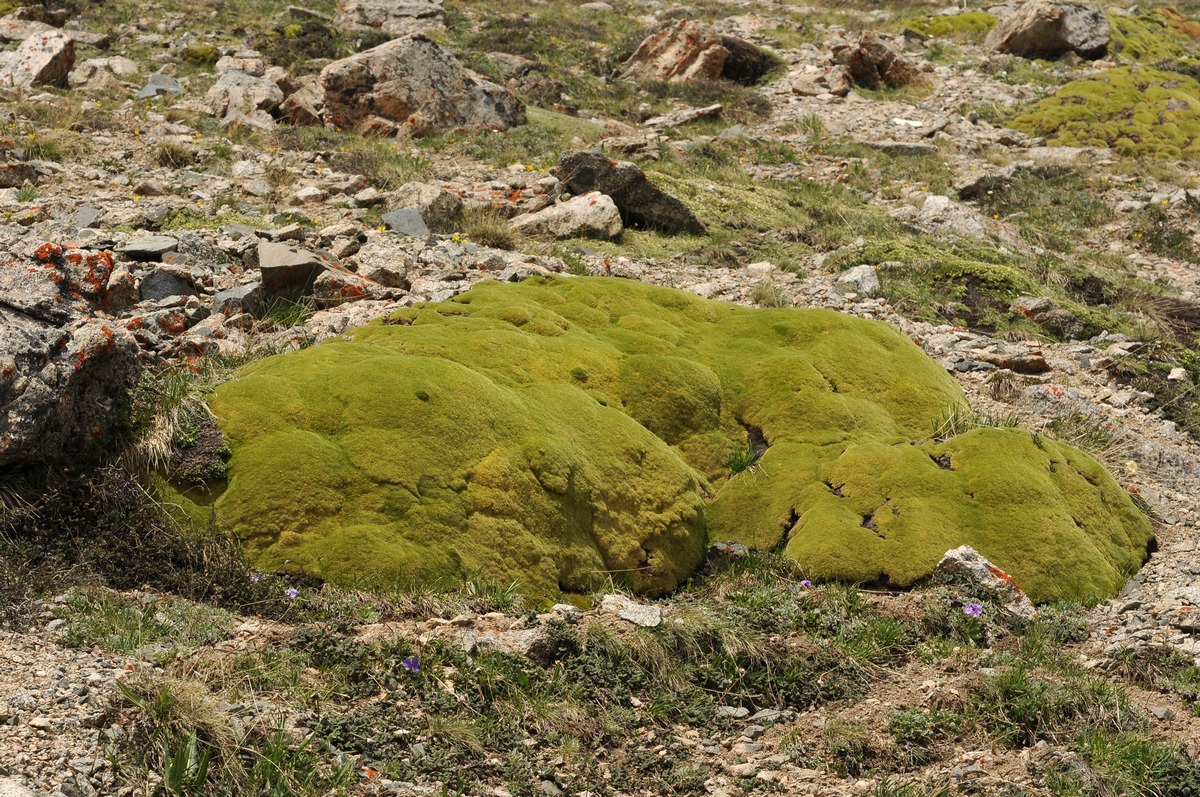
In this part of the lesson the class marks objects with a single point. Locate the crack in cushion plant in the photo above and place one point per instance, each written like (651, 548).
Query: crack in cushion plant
(562, 432)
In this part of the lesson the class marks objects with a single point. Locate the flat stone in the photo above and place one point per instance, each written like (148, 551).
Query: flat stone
(160, 283)
(906, 148)
(149, 248)
(86, 217)
(406, 222)
(158, 85)
(591, 215)
(632, 611)
(733, 712)
(289, 232)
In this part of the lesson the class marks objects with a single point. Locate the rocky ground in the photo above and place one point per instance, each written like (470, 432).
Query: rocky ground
(181, 185)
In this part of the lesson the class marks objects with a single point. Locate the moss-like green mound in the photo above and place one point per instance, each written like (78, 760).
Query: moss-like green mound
(559, 433)
(1136, 110)
(969, 25)
(1159, 34)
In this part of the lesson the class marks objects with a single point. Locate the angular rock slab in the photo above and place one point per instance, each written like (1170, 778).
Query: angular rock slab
(641, 202)
(287, 271)
(872, 63)
(683, 52)
(63, 375)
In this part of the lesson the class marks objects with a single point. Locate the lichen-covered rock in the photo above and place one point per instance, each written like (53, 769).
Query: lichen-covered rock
(1136, 110)
(564, 432)
(412, 85)
(44, 59)
(61, 389)
(1045, 29)
(688, 51)
(682, 52)
(63, 374)
(964, 562)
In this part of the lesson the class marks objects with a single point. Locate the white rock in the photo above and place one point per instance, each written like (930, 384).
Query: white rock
(760, 270)
(632, 611)
(592, 215)
(861, 280)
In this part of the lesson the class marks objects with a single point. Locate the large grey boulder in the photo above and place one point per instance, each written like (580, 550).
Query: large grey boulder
(393, 17)
(1044, 29)
(415, 86)
(44, 59)
(642, 204)
(592, 215)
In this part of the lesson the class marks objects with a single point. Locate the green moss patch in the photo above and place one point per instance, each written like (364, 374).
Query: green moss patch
(562, 433)
(1136, 110)
(1153, 36)
(969, 25)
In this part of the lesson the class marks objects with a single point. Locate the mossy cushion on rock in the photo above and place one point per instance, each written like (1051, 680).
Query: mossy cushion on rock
(1153, 35)
(559, 433)
(972, 25)
(1136, 110)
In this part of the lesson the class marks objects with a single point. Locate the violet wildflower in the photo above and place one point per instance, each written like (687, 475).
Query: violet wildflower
(256, 577)
(411, 665)
(292, 592)
(806, 583)
(973, 610)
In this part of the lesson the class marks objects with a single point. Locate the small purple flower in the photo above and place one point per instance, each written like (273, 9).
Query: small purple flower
(972, 610)
(806, 583)
(256, 577)
(791, 165)
(292, 593)
(411, 665)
